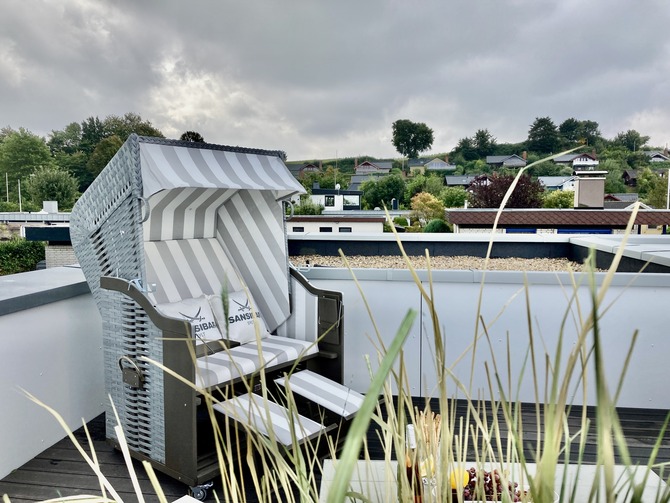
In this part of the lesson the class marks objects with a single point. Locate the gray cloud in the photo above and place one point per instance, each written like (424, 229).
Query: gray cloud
(316, 78)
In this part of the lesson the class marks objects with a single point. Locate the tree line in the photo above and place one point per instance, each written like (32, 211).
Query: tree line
(63, 165)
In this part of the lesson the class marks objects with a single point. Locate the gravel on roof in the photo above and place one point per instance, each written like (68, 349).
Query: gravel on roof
(441, 262)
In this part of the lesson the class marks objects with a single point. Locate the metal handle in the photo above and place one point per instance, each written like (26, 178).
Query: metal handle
(133, 377)
(144, 203)
(290, 205)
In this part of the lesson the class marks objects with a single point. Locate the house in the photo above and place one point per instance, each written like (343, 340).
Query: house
(328, 224)
(459, 180)
(578, 162)
(621, 201)
(435, 164)
(656, 156)
(376, 167)
(299, 170)
(357, 180)
(630, 177)
(556, 221)
(336, 199)
(506, 161)
(557, 182)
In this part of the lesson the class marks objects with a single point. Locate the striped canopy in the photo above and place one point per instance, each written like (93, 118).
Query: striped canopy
(213, 216)
(169, 165)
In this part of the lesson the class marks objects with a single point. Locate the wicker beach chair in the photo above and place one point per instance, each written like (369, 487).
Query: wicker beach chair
(163, 230)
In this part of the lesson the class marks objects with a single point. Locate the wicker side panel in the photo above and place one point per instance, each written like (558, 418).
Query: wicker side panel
(128, 332)
(105, 224)
(106, 233)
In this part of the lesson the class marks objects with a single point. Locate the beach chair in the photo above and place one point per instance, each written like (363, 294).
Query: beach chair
(164, 229)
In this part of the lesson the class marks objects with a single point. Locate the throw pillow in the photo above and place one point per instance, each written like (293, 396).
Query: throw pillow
(242, 324)
(196, 312)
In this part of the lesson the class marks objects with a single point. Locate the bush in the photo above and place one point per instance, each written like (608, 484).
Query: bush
(307, 207)
(19, 255)
(437, 225)
(14, 207)
(402, 221)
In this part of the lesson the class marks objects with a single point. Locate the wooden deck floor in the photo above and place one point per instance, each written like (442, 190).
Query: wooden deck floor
(60, 471)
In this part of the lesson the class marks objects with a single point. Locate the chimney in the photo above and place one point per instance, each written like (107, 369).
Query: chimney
(524, 155)
(316, 186)
(356, 163)
(320, 165)
(593, 153)
(446, 159)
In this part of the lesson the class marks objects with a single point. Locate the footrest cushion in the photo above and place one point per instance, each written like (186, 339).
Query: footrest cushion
(329, 394)
(265, 416)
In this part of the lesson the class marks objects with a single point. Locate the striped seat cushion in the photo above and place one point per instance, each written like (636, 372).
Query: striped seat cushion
(265, 416)
(227, 365)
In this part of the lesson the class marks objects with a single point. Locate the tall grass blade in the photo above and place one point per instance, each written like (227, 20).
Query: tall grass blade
(359, 426)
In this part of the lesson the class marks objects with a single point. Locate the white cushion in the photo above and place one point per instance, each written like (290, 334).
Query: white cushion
(196, 312)
(242, 324)
(229, 364)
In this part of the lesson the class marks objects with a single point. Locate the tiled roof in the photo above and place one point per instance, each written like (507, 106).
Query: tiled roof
(550, 218)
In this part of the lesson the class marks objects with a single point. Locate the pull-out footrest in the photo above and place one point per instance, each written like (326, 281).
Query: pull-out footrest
(321, 390)
(262, 415)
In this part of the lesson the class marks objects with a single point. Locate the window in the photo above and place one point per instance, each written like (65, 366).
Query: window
(330, 201)
(298, 229)
(345, 229)
(325, 229)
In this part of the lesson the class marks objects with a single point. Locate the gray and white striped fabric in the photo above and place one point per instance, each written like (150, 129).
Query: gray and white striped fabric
(187, 213)
(229, 364)
(329, 394)
(251, 229)
(304, 319)
(264, 415)
(168, 166)
(187, 268)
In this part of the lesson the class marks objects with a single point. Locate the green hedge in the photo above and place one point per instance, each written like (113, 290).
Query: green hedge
(19, 255)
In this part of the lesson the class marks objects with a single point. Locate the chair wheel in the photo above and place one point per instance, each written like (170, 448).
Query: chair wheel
(200, 492)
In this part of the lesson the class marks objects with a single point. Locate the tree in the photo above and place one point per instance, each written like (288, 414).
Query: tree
(484, 143)
(559, 199)
(380, 193)
(52, 184)
(657, 196)
(614, 183)
(130, 123)
(466, 148)
(454, 197)
(543, 136)
(21, 153)
(67, 140)
(327, 179)
(631, 139)
(488, 192)
(102, 154)
(410, 138)
(193, 136)
(574, 131)
(426, 207)
(92, 132)
(646, 182)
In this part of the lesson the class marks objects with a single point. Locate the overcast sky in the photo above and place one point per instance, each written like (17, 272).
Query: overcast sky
(327, 78)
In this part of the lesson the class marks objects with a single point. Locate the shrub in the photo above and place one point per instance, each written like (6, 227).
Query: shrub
(307, 207)
(19, 255)
(437, 225)
(14, 207)
(401, 221)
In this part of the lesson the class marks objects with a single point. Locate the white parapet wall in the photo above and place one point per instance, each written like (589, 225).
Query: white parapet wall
(510, 310)
(51, 347)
